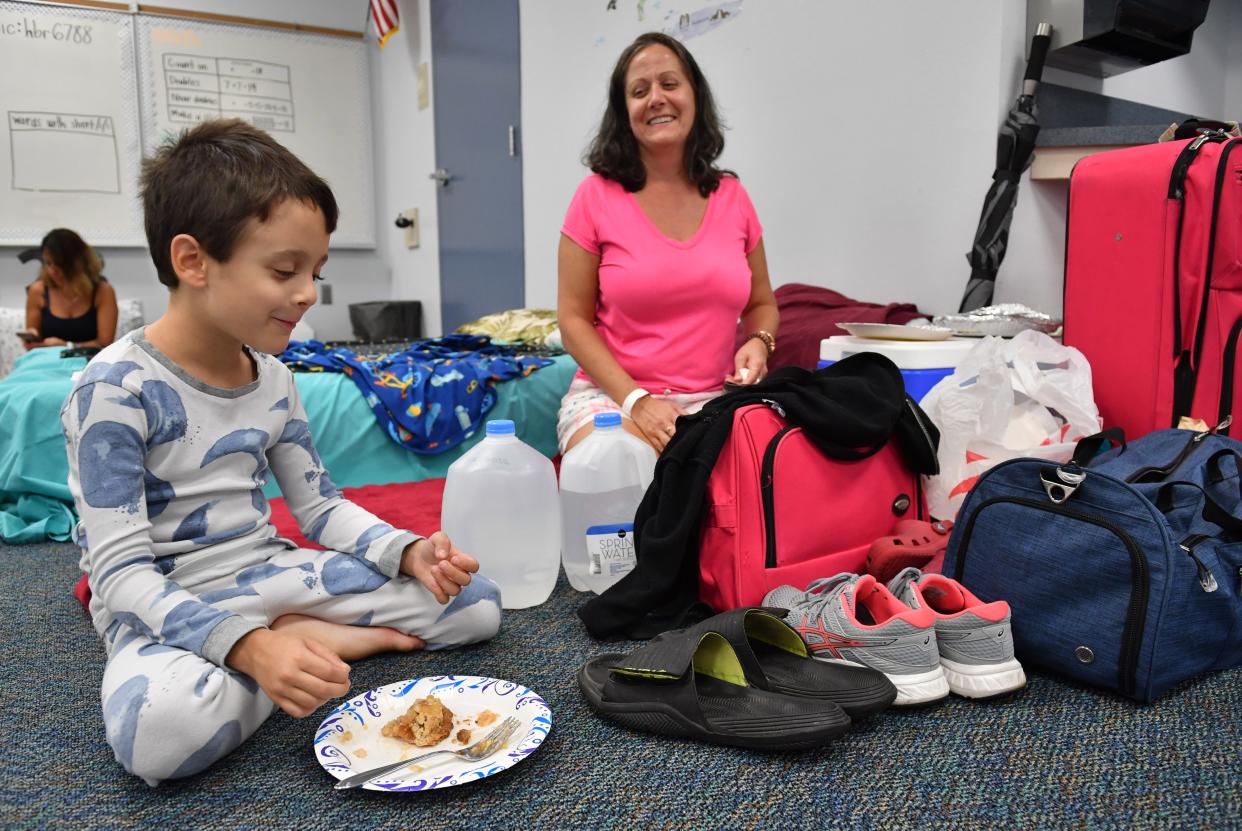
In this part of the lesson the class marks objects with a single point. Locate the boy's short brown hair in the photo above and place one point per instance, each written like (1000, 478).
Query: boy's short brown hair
(212, 180)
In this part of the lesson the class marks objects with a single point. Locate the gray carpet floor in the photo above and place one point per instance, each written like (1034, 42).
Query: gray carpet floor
(1053, 756)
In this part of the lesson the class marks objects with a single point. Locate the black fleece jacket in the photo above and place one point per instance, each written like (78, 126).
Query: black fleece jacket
(850, 410)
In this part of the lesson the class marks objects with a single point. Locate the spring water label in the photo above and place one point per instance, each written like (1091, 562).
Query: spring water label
(611, 549)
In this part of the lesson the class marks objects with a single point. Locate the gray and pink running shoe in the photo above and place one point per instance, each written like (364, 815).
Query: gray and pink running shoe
(974, 638)
(853, 619)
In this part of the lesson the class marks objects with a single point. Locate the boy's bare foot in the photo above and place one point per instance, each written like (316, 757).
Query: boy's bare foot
(350, 643)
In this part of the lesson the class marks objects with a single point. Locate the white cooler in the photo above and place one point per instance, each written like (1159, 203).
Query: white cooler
(923, 363)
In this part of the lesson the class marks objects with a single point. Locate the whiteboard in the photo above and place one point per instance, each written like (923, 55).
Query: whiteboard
(310, 92)
(70, 142)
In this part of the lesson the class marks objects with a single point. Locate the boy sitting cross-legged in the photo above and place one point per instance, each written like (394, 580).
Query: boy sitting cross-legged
(210, 619)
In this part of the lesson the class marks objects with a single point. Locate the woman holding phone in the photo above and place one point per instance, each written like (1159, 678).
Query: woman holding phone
(71, 304)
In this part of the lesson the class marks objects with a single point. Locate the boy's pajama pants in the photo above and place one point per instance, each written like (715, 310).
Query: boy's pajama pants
(171, 713)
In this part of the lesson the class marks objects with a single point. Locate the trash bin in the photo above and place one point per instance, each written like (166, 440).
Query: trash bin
(383, 320)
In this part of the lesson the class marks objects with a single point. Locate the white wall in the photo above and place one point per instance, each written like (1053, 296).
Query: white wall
(1233, 69)
(405, 151)
(864, 132)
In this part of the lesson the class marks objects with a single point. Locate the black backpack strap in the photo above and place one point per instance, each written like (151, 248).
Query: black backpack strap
(1226, 378)
(1089, 447)
(1192, 127)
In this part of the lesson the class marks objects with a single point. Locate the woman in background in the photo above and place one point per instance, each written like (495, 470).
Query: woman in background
(71, 303)
(660, 255)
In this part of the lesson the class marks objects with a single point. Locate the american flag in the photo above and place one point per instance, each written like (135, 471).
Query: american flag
(384, 16)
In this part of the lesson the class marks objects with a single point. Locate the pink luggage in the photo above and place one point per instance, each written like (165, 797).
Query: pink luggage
(780, 511)
(1153, 280)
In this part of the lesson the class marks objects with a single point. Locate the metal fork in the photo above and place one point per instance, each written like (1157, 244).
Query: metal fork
(481, 749)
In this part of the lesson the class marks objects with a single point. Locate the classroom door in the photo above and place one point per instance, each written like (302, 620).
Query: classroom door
(477, 87)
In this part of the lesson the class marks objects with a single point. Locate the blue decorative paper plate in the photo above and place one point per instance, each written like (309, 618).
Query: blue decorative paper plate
(350, 739)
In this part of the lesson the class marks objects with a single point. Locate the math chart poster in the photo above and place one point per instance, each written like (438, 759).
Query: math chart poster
(310, 92)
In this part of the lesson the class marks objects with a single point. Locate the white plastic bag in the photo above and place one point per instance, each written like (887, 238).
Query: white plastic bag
(1028, 396)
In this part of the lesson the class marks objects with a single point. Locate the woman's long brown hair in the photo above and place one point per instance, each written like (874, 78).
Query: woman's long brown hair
(79, 263)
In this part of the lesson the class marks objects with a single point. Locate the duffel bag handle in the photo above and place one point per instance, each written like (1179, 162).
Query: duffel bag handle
(1213, 511)
(1216, 475)
(1089, 447)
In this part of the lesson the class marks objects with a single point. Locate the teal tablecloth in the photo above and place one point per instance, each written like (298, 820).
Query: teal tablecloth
(34, 494)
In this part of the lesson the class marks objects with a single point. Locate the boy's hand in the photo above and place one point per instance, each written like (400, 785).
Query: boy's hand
(439, 565)
(299, 674)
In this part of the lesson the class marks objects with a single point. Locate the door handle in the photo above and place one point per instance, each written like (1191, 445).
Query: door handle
(442, 177)
(512, 141)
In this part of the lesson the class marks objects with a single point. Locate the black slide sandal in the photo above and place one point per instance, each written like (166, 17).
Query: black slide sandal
(691, 684)
(775, 658)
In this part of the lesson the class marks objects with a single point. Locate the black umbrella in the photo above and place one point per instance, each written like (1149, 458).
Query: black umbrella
(1014, 147)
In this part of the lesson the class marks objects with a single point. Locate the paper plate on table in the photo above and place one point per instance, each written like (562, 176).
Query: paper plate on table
(350, 740)
(893, 331)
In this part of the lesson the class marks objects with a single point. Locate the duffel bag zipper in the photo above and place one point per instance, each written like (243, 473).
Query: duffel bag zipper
(1136, 612)
(1207, 580)
(1165, 471)
(766, 483)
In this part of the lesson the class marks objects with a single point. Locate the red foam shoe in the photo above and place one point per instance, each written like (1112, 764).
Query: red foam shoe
(914, 543)
(82, 591)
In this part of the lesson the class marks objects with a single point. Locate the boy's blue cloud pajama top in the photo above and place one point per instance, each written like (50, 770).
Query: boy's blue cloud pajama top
(167, 475)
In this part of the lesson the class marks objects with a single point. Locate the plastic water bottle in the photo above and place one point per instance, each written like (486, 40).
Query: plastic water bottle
(500, 505)
(603, 478)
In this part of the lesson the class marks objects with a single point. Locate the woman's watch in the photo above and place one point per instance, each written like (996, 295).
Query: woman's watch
(768, 339)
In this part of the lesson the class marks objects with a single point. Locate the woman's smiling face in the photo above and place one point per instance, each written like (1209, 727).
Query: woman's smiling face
(659, 98)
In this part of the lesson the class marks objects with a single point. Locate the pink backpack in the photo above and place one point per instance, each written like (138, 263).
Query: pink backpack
(780, 511)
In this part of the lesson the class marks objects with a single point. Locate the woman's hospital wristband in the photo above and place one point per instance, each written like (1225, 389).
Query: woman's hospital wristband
(630, 400)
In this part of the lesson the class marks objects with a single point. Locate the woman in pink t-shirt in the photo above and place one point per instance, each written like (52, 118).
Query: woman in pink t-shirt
(660, 255)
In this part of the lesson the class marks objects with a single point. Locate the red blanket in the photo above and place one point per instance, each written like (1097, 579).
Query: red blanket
(414, 506)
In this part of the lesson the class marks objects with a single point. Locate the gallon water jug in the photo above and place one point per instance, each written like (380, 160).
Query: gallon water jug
(500, 505)
(603, 478)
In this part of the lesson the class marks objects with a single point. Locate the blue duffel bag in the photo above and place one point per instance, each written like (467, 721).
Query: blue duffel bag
(1123, 569)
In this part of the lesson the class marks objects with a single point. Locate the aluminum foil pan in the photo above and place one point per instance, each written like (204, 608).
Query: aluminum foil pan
(1003, 320)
